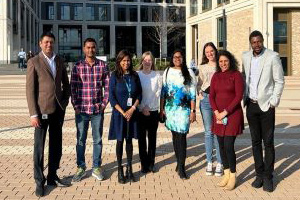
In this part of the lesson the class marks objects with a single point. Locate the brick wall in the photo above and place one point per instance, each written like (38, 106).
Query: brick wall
(205, 35)
(295, 42)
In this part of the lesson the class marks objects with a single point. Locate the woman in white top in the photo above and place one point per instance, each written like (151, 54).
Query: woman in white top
(206, 71)
(151, 85)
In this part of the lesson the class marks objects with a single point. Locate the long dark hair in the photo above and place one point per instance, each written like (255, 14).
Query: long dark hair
(204, 58)
(184, 70)
(121, 55)
(233, 63)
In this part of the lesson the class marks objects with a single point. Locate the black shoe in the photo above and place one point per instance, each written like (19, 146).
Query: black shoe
(39, 191)
(144, 169)
(258, 182)
(121, 178)
(176, 169)
(182, 174)
(152, 168)
(268, 185)
(57, 182)
(129, 174)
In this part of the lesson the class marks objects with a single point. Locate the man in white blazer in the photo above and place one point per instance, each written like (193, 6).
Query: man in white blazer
(264, 77)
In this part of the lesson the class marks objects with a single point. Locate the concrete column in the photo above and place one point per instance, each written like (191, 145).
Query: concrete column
(189, 41)
(19, 41)
(84, 32)
(112, 41)
(139, 44)
(164, 32)
(30, 32)
(25, 29)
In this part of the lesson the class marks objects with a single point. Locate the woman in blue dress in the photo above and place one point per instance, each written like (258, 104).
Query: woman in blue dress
(178, 103)
(125, 93)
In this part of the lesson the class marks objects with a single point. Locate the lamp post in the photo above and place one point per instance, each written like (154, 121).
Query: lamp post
(224, 26)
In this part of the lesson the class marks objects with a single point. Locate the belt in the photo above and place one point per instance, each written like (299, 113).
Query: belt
(253, 101)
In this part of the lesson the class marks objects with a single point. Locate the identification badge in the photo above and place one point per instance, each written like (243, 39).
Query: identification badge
(44, 116)
(129, 102)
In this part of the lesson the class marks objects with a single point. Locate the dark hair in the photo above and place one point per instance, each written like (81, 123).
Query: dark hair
(89, 40)
(121, 55)
(233, 63)
(184, 70)
(204, 58)
(255, 34)
(47, 34)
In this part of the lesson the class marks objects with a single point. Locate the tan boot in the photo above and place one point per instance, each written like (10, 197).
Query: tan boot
(225, 179)
(231, 183)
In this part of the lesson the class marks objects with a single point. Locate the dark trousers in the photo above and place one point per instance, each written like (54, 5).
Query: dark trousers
(148, 124)
(129, 151)
(262, 125)
(179, 144)
(55, 123)
(226, 145)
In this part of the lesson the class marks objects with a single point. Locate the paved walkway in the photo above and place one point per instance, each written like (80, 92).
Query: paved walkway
(16, 174)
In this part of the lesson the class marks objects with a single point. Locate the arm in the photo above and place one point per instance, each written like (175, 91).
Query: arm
(212, 94)
(200, 82)
(105, 84)
(239, 90)
(66, 86)
(278, 77)
(163, 95)
(74, 87)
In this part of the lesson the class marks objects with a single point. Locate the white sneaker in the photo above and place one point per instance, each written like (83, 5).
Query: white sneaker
(209, 169)
(219, 170)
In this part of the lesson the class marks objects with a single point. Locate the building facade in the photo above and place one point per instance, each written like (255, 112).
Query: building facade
(136, 25)
(19, 25)
(228, 24)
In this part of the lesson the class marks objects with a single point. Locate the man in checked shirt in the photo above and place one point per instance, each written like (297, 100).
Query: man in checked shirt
(89, 95)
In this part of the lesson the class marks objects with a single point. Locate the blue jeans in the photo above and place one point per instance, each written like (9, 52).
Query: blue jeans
(82, 124)
(210, 138)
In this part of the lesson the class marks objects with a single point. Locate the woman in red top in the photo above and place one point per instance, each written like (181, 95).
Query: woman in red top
(226, 93)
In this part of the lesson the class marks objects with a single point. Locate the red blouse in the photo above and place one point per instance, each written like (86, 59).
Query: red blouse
(226, 92)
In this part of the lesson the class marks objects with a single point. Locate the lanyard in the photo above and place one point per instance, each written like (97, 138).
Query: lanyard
(128, 85)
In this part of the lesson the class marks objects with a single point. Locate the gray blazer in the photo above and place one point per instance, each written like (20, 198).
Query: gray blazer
(271, 81)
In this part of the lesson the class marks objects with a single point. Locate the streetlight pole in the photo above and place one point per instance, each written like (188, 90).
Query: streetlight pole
(224, 26)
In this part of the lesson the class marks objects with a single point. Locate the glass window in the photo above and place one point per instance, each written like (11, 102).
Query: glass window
(64, 11)
(47, 10)
(149, 41)
(15, 17)
(206, 5)
(280, 32)
(104, 12)
(221, 32)
(151, 13)
(101, 35)
(126, 38)
(193, 7)
(91, 12)
(77, 13)
(176, 39)
(145, 13)
(126, 0)
(219, 2)
(126, 13)
(176, 14)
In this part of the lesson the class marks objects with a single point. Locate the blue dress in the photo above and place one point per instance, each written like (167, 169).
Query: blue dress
(118, 94)
(178, 99)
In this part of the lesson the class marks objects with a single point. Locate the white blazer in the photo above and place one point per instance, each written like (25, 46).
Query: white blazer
(271, 80)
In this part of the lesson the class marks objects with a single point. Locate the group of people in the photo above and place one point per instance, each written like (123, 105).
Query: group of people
(139, 100)
(23, 58)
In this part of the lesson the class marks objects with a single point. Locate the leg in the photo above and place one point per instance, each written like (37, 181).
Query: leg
(38, 153)
(142, 143)
(174, 139)
(207, 115)
(182, 155)
(152, 135)
(230, 154)
(119, 152)
(224, 159)
(129, 152)
(55, 142)
(97, 130)
(253, 117)
(82, 125)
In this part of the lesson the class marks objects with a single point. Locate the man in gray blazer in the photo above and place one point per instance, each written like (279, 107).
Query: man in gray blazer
(48, 92)
(264, 78)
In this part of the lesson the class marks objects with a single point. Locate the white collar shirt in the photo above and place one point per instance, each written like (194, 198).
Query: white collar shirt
(51, 62)
(254, 76)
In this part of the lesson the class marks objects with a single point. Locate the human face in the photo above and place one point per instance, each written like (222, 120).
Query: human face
(47, 45)
(147, 63)
(224, 63)
(125, 63)
(210, 53)
(89, 49)
(257, 44)
(177, 59)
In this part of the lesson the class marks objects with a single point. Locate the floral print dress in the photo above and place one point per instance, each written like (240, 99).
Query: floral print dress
(178, 99)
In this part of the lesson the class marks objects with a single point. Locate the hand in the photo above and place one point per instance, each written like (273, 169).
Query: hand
(128, 113)
(77, 111)
(222, 115)
(162, 113)
(35, 122)
(271, 106)
(192, 117)
(219, 122)
(146, 111)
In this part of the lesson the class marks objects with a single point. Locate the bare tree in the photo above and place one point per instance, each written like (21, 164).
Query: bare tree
(160, 27)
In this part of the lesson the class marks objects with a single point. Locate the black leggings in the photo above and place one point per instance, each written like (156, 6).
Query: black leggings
(179, 144)
(226, 145)
(129, 151)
